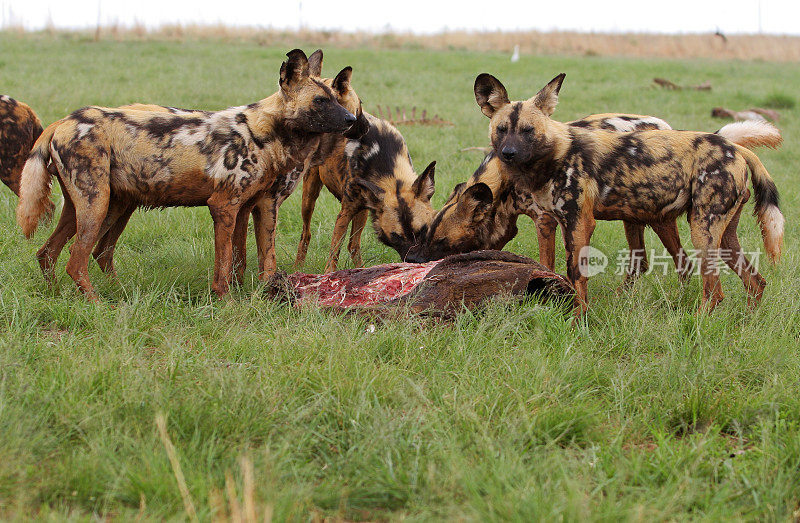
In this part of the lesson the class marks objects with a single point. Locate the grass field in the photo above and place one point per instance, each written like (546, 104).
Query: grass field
(646, 412)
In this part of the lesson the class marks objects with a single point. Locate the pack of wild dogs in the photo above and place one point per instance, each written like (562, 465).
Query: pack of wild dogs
(247, 160)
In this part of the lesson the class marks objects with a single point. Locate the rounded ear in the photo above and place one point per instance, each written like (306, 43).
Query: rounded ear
(341, 83)
(547, 98)
(457, 190)
(359, 128)
(490, 94)
(424, 186)
(315, 63)
(294, 69)
(477, 201)
(371, 194)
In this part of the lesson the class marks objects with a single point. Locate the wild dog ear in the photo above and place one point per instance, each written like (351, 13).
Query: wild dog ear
(315, 63)
(294, 69)
(360, 128)
(490, 94)
(477, 200)
(341, 83)
(547, 98)
(371, 194)
(457, 190)
(424, 186)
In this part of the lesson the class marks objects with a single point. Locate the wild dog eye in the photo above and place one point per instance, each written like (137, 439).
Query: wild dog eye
(527, 130)
(502, 128)
(321, 100)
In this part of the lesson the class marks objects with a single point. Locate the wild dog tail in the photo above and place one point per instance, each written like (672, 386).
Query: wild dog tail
(35, 182)
(752, 133)
(767, 212)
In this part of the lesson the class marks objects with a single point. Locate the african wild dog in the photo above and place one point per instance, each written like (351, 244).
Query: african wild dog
(19, 129)
(466, 223)
(477, 218)
(107, 159)
(265, 208)
(578, 175)
(372, 174)
(328, 152)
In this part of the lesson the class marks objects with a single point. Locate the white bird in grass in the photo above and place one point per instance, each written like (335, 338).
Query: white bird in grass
(515, 56)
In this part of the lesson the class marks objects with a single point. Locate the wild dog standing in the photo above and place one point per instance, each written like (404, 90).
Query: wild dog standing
(328, 152)
(108, 158)
(579, 175)
(265, 208)
(482, 212)
(19, 129)
(478, 218)
(377, 177)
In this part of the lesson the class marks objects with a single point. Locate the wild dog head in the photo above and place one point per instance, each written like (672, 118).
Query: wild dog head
(400, 211)
(518, 130)
(461, 226)
(340, 84)
(383, 180)
(311, 106)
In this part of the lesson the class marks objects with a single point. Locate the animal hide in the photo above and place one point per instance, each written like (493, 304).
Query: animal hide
(440, 287)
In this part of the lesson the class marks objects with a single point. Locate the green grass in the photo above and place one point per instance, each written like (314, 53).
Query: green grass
(646, 412)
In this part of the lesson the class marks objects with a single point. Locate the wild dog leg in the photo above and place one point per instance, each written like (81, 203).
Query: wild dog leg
(240, 239)
(546, 233)
(265, 219)
(356, 228)
(90, 213)
(116, 220)
(312, 184)
(577, 235)
(668, 234)
(65, 229)
(634, 233)
(707, 230)
(339, 230)
(224, 216)
(753, 282)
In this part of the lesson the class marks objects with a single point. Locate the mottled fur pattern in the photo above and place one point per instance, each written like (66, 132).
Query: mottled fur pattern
(265, 208)
(457, 229)
(577, 175)
(374, 174)
(109, 159)
(19, 129)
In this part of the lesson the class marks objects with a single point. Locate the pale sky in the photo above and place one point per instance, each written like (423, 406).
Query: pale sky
(672, 16)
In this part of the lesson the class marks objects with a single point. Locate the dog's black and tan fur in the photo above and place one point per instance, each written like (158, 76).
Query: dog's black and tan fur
(266, 207)
(19, 129)
(107, 159)
(372, 174)
(474, 218)
(486, 217)
(579, 175)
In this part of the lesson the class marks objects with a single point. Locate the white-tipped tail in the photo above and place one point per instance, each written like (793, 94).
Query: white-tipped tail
(767, 211)
(752, 133)
(771, 221)
(34, 194)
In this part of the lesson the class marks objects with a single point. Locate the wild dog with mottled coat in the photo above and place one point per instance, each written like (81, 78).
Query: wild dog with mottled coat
(479, 218)
(482, 212)
(579, 175)
(19, 129)
(264, 209)
(107, 159)
(373, 173)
